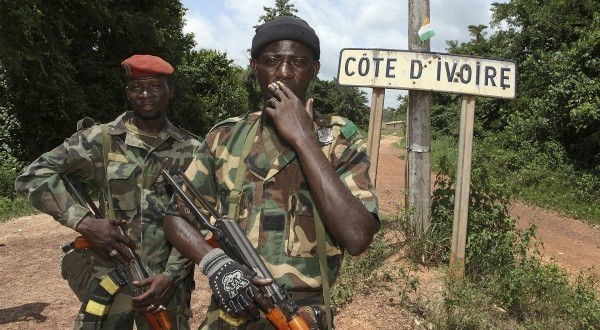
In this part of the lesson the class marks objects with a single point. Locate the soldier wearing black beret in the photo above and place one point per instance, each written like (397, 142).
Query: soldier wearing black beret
(298, 171)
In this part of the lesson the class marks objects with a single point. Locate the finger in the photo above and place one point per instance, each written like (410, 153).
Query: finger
(142, 283)
(253, 311)
(285, 90)
(261, 301)
(271, 103)
(273, 87)
(118, 222)
(257, 280)
(117, 255)
(125, 240)
(142, 301)
(309, 107)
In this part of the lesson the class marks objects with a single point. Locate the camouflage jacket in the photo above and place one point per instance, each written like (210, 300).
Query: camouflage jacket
(131, 169)
(276, 206)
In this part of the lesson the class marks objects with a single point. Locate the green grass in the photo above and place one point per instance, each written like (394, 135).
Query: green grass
(356, 271)
(15, 207)
(540, 178)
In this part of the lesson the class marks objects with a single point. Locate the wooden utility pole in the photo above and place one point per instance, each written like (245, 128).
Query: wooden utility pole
(418, 130)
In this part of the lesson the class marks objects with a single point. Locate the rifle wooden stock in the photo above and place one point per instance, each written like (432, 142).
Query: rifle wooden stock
(80, 243)
(279, 308)
(158, 321)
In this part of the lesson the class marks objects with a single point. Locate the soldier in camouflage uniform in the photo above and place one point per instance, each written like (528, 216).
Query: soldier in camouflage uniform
(300, 163)
(139, 140)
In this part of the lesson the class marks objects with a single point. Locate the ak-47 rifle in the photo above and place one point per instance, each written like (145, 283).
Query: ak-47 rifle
(121, 275)
(279, 307)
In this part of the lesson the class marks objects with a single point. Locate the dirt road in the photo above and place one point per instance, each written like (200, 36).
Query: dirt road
(34, 296)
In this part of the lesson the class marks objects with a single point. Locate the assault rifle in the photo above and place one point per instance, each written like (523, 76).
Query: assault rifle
(279, 307)
(121, 275)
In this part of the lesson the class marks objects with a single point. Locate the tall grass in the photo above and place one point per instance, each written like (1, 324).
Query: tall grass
(11, 205)
(538, 175)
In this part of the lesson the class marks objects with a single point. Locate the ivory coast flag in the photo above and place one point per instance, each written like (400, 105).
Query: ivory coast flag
(426, 31)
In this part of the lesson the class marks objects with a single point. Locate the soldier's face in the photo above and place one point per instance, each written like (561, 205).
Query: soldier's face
(288, 61)
(149, 98)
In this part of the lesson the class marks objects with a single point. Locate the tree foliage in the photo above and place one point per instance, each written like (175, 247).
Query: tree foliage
(333, 99)
(556, 45)
(282, 8)
(208, 89)
(62, 59)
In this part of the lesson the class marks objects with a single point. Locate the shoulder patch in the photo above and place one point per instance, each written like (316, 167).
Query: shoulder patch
(348, 129)
(84, 123)
(234, 120)
(186, 134)
(228, 121)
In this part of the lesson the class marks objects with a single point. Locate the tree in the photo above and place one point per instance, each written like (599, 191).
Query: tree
(282, 8)
(556, 45)
(62, 59)
(333, 99)
(208, 89)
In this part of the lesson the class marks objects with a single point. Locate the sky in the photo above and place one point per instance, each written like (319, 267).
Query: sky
(227, 26)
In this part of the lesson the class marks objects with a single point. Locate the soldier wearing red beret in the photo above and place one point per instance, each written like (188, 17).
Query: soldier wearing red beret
(122, 157)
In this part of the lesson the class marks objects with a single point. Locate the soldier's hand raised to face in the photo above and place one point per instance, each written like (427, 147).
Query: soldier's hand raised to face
(292, 118)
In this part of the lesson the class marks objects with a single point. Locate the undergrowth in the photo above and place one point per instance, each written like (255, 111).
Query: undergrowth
(506, 284)
(358, 272)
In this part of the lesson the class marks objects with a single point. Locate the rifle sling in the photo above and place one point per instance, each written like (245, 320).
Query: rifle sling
(236, 193)
(105, 147)
(322, 251)
(98, 302)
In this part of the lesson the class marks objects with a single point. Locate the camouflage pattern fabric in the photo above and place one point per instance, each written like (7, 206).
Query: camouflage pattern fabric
(276, 210)
(130, 172)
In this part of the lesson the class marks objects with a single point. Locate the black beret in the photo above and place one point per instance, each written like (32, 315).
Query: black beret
(285, 28)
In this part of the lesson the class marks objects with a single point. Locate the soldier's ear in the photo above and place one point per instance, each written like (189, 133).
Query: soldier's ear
(253, 63)
(316, 68)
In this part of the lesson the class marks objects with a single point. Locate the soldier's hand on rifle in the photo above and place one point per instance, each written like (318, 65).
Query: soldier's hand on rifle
(234, 285)
(106, 240)
(159, 289)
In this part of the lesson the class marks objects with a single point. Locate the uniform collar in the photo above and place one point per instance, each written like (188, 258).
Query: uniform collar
(117, 127)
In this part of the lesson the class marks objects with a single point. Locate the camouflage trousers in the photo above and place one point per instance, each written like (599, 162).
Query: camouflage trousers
(122, 316)
(310, 304)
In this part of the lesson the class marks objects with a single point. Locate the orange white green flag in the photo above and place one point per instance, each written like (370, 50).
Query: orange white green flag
(426, 31)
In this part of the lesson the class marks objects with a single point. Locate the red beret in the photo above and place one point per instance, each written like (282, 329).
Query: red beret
(145, 66)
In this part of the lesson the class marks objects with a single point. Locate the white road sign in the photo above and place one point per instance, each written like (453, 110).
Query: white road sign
(385, 68)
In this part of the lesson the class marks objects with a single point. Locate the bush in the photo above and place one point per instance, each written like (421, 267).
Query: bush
(14, 207)
(356, 271)
(503, 263)
(7, 181)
